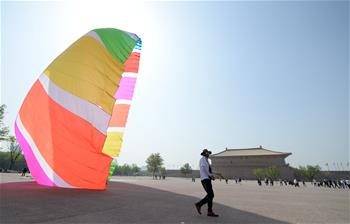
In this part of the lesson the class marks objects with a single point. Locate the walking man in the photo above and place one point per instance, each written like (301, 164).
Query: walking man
(206, 177)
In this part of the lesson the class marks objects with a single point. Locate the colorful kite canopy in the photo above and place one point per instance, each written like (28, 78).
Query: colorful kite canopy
(71, 123)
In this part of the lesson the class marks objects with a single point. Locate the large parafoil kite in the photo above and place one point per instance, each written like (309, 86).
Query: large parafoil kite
(71, 123)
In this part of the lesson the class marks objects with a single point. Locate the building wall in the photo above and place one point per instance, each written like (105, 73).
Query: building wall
(177, 173)
(235, 167)
(334, 175)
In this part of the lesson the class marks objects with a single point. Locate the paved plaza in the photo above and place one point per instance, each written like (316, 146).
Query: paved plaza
(143, 200)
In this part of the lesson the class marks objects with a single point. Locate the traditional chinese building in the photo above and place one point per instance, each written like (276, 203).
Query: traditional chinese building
(235, 163)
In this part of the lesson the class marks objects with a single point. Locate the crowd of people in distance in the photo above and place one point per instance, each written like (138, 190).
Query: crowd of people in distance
(159, 177)
(342, 183)
(236, 180)
(267, 181)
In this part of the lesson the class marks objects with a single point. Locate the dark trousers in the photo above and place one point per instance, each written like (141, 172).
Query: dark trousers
(210, 194)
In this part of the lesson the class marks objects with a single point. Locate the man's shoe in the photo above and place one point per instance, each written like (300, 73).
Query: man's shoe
(198, 208)
(212, 214)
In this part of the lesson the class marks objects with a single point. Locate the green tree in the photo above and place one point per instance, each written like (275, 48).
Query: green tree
(272, 172)
(125, 169)
(259, 173)
(186, 169)
(135, 169)
(300, 172)
(4, 130)
(15, 151)
(311, 171)
(154, 163)
(5, 161)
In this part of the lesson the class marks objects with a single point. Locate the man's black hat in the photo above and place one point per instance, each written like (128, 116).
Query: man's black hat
(205, 151)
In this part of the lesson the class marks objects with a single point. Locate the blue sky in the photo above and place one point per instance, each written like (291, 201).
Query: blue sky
(215, 75)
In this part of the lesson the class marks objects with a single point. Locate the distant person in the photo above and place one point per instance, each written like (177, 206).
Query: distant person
(335, 184)
(206, 178)
(24, 171)
(296, 183)
(226, 180)
(347, 182)
(266, 181)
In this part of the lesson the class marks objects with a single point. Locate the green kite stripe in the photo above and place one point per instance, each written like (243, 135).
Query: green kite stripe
(117, 42)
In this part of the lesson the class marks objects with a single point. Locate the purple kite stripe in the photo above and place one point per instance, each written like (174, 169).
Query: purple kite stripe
(34, 167)
(126, 89)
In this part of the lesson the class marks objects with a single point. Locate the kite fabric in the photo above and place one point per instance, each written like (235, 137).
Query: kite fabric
(71, 123)
(112, 169)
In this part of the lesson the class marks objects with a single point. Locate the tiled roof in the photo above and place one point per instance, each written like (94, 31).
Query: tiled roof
(249, 152)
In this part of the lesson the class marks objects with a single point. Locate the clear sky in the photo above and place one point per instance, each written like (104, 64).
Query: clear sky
(215, 75)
